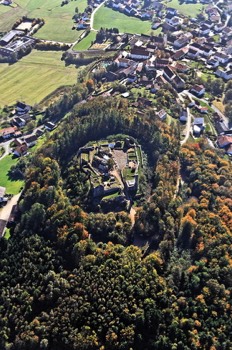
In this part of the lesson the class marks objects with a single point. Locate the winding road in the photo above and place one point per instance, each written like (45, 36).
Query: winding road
(188, 127)
(93, 13)
(6, 146)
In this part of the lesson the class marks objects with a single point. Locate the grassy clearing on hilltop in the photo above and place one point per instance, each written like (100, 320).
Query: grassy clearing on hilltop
(58, 19)
(34, 77)
(187, 9)
(108, 18)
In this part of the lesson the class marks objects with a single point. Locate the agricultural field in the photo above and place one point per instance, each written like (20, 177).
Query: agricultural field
(12, 187)
(58, 19)
(108, 18)
(187, 9)
(34, 77)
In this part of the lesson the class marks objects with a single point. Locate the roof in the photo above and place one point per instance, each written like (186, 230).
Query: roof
(140, 51)
(197, 88)
(8, 131)
(10, 35)
(169, 72)
(198, 121)
(224, 140)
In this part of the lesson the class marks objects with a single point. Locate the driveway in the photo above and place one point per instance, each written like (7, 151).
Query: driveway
(6, 210)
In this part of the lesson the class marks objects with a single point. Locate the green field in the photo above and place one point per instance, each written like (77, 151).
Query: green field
(187, 9)
(85, 43)
(12, 187)
(58, 19)
(34, 77)
(108, 18)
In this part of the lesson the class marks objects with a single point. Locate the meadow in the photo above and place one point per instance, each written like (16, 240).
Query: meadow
(186, 9)
(34, 77)
(12, 187)
(58, 19)
(108, 18)
(85, 43)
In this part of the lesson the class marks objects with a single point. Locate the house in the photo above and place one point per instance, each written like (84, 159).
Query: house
(21, 150)
(6, 39)
(183, 116)
(139, 53)
(7, 133)
(174, 21)
(202, 109)
(178, 83)
(159, 41)
(39, 132)
(19, 122)
(22, 108)
(7, 2)
(181, 68)
(162, 114)
(168, 73)
(178, 55)
(219, 27)
(198, 90)
(206, 51)
(193, 53)
(204, 30)
(49, 126)
(181, 42)
(221, 57)
(213, 62)
(171, 10)
(156, 24)
(162, 62)
(227, 75)
(224, 141)
(198, 126)
(30, 140)
(123, 62)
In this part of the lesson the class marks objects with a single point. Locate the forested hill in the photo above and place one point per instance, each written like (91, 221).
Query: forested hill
(62, 291)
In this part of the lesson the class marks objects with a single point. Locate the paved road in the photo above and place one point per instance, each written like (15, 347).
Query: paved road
(92, 15)
(6, 210)
(188, 128)
(6, 146)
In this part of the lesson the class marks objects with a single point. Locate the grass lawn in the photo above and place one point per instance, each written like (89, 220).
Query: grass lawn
(187, 9)
(108, 18)
(58, 19)
(219, 105)
(12, 187)
(85, 43)
(7, 233)
(34, 77)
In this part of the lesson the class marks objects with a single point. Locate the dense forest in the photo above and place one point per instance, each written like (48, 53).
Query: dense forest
(60, 290)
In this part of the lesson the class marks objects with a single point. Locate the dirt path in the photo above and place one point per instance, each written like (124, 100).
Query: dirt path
(6, 210)
(188, 128)
(132, 216)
